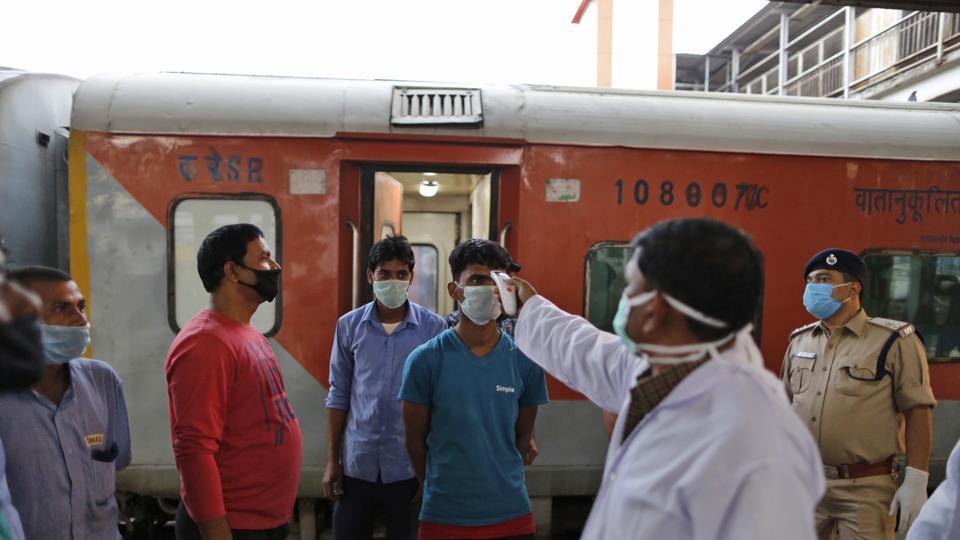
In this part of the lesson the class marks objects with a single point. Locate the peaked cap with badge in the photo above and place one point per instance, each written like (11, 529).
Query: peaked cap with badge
(837, 259)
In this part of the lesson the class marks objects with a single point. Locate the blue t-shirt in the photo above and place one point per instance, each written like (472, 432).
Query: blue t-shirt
(474, 473)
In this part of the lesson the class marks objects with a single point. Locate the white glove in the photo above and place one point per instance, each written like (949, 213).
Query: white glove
(910, 497)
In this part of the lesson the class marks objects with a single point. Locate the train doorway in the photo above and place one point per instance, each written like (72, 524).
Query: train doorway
(436, 208)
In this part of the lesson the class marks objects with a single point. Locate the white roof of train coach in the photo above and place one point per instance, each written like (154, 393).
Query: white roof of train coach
(208, 104)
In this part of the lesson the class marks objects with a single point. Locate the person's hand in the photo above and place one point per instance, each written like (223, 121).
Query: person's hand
(525, 290)
(216, 529)
(333, 481)
(532, 452)
(418, 496)
(910, 497)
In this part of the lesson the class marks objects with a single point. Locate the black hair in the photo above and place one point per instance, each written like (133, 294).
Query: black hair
(227, 243)
(478, 251)
(28, 275)
(708, 265)
(389, 249)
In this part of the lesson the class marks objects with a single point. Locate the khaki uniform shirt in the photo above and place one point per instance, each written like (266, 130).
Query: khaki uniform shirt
(831, 383)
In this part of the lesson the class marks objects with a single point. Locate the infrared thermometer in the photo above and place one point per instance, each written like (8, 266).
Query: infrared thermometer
(508, 293)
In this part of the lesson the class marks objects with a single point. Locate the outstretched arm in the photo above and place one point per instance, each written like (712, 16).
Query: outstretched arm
(591, 361)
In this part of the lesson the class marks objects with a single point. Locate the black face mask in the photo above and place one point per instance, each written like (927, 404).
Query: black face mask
(267, 284)
(21, 354)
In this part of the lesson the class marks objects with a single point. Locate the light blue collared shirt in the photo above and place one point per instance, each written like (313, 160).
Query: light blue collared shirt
(366, 366)
(62, 459)
(10, 528)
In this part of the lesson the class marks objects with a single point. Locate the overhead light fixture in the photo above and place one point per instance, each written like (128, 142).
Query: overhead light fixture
(429, 174)
(429, 188)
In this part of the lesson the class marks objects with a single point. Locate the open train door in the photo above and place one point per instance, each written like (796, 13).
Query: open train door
(436, 207)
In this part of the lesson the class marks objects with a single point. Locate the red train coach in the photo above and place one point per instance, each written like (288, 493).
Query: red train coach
(564, 177)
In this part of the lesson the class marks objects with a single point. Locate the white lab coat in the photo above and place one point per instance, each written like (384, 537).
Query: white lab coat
(939, 518)
(722, 457)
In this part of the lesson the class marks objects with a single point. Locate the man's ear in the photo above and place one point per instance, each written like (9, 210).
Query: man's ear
(658, 311)
(452, 290)
(370, 276)
(855, 289)
(230, 270)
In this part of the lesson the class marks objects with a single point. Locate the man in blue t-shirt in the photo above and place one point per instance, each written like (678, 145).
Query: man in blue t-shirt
(470, 399)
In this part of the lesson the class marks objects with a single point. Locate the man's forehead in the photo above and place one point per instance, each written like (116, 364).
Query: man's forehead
(258, 246)
(823, 271)
(393, 265)
(57, 291)
(476, 270)
(632, 269)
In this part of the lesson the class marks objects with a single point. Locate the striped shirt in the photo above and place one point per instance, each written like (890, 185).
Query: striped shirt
(62, 459)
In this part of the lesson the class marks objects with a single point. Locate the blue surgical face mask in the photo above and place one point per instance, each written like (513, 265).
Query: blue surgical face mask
(819, 301)
(62, 344)
(391, 292)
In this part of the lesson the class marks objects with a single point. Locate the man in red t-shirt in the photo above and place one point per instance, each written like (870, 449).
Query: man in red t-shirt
(236, 439)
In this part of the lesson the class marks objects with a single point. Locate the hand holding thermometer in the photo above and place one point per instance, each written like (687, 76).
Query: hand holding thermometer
(508, 293)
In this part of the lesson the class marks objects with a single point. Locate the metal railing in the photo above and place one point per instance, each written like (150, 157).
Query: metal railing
(910, 36)
(914, 39)
(824, 79)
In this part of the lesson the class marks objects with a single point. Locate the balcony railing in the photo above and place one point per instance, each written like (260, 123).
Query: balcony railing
(824, 79)
(911, 41)
(914, 39)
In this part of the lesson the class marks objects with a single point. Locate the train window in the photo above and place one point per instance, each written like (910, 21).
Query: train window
(193, 220)
(605, 282)
(425, 287)
(922, 288)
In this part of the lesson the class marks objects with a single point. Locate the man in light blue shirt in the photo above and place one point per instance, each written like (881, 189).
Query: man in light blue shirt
(367, 466)
(65, 439)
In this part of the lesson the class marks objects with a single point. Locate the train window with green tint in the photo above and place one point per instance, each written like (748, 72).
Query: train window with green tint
(425, 289)
(920, 287)
(192, 219)
(604, 282)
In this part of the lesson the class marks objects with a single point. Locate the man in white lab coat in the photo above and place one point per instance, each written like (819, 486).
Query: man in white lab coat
(705, 445)
(939, 518)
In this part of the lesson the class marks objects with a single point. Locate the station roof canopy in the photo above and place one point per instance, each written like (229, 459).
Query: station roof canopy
(913, 5)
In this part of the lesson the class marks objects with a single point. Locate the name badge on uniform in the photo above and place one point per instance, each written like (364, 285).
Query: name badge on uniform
(808, 355)
(94, 439)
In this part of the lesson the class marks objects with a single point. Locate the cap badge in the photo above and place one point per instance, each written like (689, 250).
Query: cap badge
(831, 259)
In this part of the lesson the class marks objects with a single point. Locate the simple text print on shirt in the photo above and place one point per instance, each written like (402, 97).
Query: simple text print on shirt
(273, 398)
(740, 196)
(505, 389)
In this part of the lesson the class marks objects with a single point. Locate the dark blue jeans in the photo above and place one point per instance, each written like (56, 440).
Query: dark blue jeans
(362, 502)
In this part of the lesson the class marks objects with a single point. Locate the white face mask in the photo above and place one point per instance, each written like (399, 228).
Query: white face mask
(681, 354)
(480, 304)
(62, 344)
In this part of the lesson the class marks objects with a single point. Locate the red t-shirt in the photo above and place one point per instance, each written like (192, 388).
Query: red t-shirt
(236, 439)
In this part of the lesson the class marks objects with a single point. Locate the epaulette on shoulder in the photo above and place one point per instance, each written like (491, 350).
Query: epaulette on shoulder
(905, 329)
(803, 329)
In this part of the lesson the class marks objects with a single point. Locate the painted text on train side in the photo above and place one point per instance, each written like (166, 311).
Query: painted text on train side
(741, 196)
(898, 201)
(214, 167)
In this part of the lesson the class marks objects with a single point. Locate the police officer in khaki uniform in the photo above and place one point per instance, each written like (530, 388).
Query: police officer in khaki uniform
(849, 376)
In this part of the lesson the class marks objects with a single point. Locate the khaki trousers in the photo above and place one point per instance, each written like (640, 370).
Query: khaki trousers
(859, 508)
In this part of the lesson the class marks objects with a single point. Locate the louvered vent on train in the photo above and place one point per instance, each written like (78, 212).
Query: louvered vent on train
(436, 106)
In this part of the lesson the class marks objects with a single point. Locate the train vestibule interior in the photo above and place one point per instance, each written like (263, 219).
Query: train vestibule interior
(436, 211)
